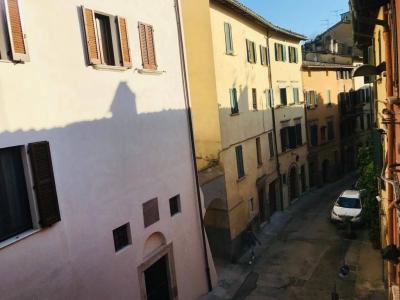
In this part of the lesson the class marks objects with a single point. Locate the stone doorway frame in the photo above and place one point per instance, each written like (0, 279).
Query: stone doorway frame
(167, 251)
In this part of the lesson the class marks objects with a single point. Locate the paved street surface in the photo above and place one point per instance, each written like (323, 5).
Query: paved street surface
(300, 257)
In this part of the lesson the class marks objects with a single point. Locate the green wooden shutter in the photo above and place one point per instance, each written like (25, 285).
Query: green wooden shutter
(227, 42)
(234, 102)
(283, 53)
(248, 50)
(276, 52)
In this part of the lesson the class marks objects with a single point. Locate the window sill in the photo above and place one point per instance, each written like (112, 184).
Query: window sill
(123, 249)
(110, 68)
(231, 54)
(150, 72)
(235, 114)
(241, 178)
(18, 238)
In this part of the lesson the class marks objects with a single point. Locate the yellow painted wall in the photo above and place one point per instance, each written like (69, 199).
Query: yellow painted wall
(202, 81)
(233, 71)
(288, 75)
(322, 80)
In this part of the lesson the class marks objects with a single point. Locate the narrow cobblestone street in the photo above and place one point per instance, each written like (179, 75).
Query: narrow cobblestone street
(301, 254)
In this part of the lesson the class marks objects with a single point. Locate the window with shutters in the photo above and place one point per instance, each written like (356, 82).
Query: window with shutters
(263, 55)
(251, 52)
(285, 139)
(331, 130)
(13, 45)
(299, 135)
(258, 149)
(234, 101)
(254, 98)
(280, 52)
(314, 135)
(311, 98)
(283, 94)
(293, 55)
(323, 134)
(296, 96)
(239, 162)
(26, 206)
(106, 39)
(271, 145)
(329, 97)
(228, 38)
(270, 98)
(146, 36)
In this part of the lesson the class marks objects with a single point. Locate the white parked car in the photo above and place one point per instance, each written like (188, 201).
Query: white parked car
(348, 206)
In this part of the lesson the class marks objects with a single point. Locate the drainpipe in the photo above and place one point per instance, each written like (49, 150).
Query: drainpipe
(190, 124)
(278, 166)
(390, 140)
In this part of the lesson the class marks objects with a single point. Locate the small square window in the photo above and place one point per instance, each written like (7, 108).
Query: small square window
(175, 205)
(150, 212)
(122, 237)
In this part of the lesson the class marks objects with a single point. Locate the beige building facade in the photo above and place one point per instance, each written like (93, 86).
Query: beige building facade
(240, 180)
(323, 84)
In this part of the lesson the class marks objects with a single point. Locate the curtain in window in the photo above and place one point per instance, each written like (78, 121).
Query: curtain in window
(15, 216)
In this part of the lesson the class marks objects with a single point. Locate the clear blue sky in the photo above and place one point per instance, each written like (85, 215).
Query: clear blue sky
(309, 17)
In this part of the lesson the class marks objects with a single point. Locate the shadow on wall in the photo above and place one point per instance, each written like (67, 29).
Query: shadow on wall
(107, 146)
(96, 164)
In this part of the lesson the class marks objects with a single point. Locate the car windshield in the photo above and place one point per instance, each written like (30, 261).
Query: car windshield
(349, 202)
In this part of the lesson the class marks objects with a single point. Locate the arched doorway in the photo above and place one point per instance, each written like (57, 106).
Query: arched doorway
(325, 171)
(293, 184)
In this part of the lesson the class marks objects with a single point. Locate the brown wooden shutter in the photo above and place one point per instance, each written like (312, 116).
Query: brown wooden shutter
(44, 184)
(91, 38)
(146, 37)
(150, 212)
(150, 47)
(19, 49)
(124, 43)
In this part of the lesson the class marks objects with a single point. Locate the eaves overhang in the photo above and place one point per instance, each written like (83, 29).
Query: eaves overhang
(253, 16)
(364, 15)
(368, 70)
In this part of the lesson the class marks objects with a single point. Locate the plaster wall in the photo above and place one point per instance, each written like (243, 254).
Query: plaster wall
(288, 75)
(202, 81)
(117, 140)
(234, 71)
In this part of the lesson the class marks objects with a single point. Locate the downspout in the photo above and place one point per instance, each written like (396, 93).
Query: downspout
(390, 139)
(278, 166)
(190, 124)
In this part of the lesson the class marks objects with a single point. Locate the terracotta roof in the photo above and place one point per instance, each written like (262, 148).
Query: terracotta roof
(317, 64)
(247, 12)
